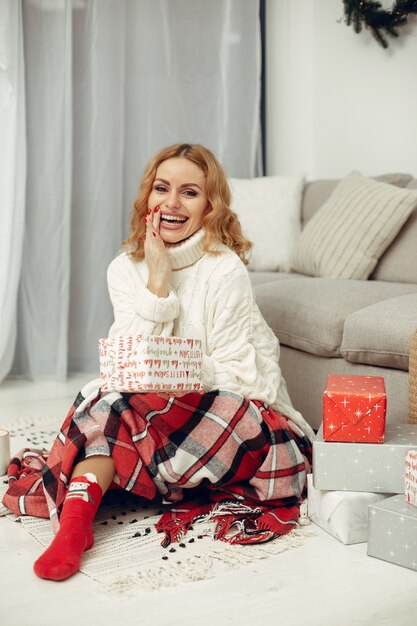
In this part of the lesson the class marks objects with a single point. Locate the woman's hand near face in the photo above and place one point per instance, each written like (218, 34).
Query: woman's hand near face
(156, 256)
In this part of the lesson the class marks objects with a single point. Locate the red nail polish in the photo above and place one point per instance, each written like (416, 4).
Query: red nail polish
(157, 209)
(145, 220)
(153, 233)
(149, 211)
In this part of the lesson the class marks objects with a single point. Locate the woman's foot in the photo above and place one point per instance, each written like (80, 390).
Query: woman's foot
(63, 557)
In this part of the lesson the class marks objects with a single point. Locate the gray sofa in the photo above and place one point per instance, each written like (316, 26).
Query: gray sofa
(337, 326)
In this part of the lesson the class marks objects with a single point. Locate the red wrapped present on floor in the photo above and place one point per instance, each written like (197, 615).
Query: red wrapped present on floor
(354, 409)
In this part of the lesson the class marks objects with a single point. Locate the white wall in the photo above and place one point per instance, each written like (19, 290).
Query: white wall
(337, 101)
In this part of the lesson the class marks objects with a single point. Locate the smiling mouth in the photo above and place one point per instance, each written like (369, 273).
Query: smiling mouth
(172, 220)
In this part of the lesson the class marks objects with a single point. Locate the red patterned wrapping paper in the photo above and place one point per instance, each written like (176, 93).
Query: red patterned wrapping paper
(411, 477)
(150, 363)
(354, 409)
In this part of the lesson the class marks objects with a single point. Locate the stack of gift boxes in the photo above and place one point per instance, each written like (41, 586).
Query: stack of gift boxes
(364, 481)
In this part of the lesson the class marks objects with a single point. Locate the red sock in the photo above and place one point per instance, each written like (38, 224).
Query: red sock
(63, 557)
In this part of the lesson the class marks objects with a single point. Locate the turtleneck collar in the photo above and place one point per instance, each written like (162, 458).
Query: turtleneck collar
(188, 251)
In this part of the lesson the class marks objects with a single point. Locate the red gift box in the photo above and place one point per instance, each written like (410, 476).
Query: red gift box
(354, 409)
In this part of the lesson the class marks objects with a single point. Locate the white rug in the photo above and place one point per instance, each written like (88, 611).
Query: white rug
(127, 553)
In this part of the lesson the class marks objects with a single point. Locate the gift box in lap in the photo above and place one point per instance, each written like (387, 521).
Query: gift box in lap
(373, 467)
(150, 363)
(393, 531)
(343, 514)
(354, 408)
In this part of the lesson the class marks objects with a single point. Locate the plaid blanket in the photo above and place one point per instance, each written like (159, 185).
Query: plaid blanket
(223, 457)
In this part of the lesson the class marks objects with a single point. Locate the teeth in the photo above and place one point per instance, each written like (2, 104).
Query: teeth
(172, 218)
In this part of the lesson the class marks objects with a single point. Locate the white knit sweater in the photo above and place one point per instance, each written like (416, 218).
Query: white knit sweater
(210, 299)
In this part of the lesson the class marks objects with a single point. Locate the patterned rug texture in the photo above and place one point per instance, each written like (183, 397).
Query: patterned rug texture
(127, 553)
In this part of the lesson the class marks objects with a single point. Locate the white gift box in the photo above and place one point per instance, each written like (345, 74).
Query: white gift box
(145, 363)
(411, 477)
(343, 514)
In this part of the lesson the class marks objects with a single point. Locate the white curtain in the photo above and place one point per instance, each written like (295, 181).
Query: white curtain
(12, 173)
(108, 83)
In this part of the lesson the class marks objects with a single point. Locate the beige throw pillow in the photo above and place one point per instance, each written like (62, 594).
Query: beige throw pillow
(268, 209)
(348, 234)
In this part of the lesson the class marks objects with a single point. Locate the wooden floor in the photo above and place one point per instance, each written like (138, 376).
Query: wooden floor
(321, 583)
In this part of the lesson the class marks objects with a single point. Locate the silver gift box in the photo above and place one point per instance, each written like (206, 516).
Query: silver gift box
(393, 531)
(343, 514)
(375, 467)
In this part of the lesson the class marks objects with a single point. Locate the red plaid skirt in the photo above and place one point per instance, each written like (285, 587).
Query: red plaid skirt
(219, 454)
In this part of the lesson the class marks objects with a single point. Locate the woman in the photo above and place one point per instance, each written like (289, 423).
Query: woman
(240, 446)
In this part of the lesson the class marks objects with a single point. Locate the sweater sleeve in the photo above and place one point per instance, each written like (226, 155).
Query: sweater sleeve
(136, 309)
(233, 361)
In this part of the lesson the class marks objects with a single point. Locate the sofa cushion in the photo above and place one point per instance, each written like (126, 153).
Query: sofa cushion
(268, 209)
(347, 235)
(257, 278)
(309, 313)
(395, 262)
(316, 192)
(380, 334)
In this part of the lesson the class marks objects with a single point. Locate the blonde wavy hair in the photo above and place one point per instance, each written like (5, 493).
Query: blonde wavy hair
(220, 222)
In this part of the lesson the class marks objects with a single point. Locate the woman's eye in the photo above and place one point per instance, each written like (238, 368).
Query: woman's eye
(190, 192)
(160, 188)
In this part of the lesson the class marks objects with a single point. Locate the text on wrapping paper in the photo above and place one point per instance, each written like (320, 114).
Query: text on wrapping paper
(144, 363)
